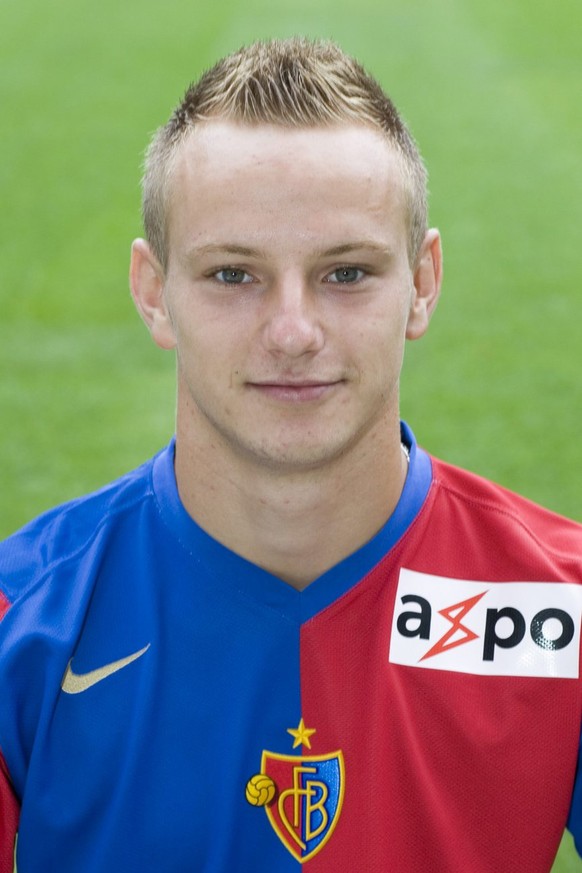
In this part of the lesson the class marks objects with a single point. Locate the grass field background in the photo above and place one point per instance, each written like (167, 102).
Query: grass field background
(492, 93)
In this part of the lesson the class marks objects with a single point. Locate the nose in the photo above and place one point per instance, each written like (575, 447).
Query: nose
(293, 324)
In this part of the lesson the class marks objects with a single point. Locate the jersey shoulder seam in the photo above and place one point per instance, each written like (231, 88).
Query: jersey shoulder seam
(38, 578)
(513, 514)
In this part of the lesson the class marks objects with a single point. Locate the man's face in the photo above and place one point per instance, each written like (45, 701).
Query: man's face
(288, 291)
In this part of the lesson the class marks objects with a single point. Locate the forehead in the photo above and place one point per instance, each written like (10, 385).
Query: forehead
(264, 178)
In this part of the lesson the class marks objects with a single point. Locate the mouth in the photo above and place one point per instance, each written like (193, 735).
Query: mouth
(295, 391)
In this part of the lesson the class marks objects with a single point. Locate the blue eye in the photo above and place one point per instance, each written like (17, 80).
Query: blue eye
(345, 276)
(232, 276)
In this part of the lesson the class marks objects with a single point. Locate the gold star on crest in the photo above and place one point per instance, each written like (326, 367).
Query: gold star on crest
(301, 735)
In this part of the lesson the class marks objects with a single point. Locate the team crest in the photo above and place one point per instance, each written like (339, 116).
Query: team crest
(302, 795)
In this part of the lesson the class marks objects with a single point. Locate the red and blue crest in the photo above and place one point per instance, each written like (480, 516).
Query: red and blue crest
(308, 799)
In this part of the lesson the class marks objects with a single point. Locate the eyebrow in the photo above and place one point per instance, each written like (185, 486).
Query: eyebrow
(359, 245)
(225, 248)
(248, 252)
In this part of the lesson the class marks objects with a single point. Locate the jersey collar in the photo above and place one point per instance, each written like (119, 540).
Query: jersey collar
(244, 578)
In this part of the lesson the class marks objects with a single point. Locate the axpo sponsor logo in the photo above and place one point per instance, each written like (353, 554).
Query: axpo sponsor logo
(487, 628)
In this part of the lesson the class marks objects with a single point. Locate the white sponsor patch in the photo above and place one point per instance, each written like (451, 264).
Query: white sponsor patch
(487, 628)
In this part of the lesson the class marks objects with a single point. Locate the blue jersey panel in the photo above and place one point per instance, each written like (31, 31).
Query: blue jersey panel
(145, 759)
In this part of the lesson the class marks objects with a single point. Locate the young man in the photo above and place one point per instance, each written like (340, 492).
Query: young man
(292, 638)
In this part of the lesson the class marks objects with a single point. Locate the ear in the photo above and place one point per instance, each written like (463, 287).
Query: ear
(428, 276)
(146, 281)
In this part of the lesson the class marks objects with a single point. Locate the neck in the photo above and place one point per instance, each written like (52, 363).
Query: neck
(296, 525)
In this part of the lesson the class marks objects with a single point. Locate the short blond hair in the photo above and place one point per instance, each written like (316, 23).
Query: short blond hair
(292, 83)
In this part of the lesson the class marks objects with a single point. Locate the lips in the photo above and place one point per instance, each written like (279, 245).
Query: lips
(295, 391)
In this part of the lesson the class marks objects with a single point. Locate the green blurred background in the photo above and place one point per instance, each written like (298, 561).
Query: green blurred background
(491, 92)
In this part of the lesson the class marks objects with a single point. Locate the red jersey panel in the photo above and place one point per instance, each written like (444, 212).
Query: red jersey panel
(450, 770)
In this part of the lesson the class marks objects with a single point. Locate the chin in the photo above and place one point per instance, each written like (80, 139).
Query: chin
(297, 458)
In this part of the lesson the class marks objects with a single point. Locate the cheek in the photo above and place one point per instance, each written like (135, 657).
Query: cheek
(384, 336)
(192, 352)
(210, 356)
(380, 368)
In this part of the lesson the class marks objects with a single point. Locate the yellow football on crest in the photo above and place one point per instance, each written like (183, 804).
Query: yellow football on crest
(260, 790)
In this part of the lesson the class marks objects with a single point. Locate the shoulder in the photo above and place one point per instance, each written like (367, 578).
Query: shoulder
(497, 511)
(67, 533)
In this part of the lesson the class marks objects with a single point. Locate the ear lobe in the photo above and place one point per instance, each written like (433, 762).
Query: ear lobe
(146, 281)
(427, 285)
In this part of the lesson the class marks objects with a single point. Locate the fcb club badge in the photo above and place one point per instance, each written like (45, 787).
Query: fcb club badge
(301, 794)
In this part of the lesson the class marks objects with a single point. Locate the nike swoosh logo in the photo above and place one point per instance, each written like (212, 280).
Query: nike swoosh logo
(75, 683)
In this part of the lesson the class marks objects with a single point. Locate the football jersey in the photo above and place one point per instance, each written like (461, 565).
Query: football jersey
(169, 706)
